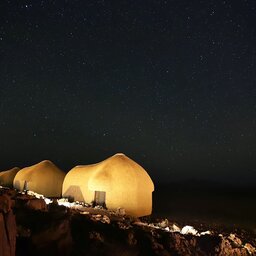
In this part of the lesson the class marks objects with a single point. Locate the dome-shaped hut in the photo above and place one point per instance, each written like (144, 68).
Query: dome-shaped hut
(44, 178)
(115, 182)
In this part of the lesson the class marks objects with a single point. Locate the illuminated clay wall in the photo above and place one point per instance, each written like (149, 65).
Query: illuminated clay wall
(43, 178)
(6, 177)
(127, 184)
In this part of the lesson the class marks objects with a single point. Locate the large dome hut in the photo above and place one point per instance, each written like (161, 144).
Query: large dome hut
(117, 182)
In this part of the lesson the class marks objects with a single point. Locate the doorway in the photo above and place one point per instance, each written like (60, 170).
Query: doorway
(100, 198)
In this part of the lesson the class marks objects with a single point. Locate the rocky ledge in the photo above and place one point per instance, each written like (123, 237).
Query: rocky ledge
(35, 226)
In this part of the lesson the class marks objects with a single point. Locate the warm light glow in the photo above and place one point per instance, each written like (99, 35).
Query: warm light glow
(6, 177)
(127, 184)
(43, 178)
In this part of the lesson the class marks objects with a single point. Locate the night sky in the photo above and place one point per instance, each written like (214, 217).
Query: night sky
(172, 84)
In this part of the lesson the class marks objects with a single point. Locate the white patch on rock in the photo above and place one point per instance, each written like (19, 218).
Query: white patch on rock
(189, 230)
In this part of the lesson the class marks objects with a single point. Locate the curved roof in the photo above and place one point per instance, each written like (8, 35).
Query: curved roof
(45, 166)
(110, 171)
(6, 177)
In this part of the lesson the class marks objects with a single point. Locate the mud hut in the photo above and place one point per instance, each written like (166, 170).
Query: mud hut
(117, 182)
(43, 178)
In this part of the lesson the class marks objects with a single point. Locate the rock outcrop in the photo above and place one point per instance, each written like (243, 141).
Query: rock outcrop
(7, 226)
(54, 229)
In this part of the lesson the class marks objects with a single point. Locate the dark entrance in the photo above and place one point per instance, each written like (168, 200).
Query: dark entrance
(100, 198)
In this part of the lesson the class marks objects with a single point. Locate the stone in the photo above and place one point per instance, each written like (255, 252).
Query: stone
(164, 223)
(105, 219)
(120, 211)
(5, 203)
(235, 239)
(7, 234)
(11, 231)
(250, 248)
(37, 204)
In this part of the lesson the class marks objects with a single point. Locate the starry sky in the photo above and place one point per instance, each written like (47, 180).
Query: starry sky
(172, 84)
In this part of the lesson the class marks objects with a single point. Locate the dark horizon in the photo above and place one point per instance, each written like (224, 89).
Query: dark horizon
(202, 182)
(169, 84)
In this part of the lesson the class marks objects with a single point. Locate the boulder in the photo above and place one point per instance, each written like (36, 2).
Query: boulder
(36, 204)
(5, 203)
(7, 227)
